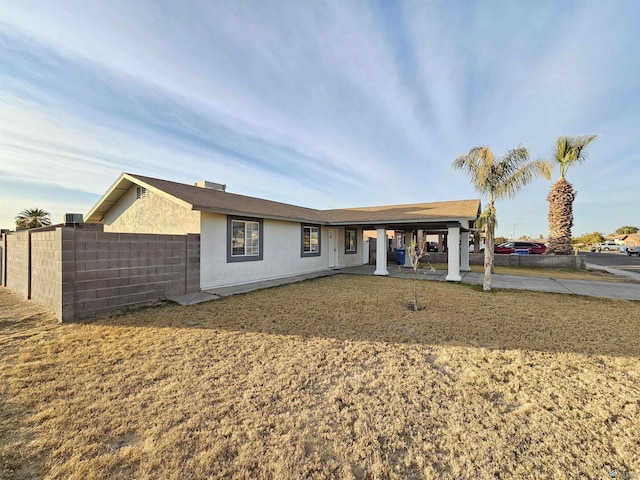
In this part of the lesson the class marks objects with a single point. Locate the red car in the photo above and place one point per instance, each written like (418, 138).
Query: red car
(518, 247)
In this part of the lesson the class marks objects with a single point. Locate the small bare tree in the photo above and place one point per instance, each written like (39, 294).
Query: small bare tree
(417, 250)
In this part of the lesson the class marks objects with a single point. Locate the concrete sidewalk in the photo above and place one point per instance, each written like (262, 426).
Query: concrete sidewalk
(619, 290)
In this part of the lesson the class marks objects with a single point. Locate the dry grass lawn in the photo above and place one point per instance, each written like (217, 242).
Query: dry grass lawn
(330, 378)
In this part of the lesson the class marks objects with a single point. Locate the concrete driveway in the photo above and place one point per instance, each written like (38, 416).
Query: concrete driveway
(619, 290)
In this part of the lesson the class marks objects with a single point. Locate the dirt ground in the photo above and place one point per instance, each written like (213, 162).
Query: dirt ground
(329, 378)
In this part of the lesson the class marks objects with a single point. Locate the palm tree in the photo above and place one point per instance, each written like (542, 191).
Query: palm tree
(33, 218)
(479, 226)
(568, 151)
(498, 178)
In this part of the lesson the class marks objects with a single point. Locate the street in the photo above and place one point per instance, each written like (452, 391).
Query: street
(614, 260)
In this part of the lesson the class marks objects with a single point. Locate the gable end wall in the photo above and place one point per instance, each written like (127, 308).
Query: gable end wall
(154, 213)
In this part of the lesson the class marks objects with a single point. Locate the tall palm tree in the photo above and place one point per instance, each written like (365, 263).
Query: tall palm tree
(498, 178)
(33, 218)
(569, 151)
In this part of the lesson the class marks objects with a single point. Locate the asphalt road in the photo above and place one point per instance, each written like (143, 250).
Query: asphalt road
(614, 260)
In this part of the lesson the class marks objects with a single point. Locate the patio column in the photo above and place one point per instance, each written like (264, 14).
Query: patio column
(464, 251)
(408, 238)
(453, 253)
(381, 251)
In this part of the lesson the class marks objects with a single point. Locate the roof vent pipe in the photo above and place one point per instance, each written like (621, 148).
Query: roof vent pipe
(211, 185)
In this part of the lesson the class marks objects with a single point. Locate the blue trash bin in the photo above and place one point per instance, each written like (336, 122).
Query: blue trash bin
(400, 256)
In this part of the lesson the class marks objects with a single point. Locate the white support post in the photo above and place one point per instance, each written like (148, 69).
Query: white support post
(381, 252)
(365, 252)
(453, 254)
(464, 251)
(408, 238)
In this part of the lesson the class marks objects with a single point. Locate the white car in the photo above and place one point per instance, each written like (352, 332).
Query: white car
(606, 247)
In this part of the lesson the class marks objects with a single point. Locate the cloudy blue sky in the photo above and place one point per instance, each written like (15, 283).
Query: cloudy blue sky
(324, 104)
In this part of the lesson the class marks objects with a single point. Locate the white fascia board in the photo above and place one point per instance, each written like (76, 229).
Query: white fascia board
(103, 200)
(121, 186)
(177, 200)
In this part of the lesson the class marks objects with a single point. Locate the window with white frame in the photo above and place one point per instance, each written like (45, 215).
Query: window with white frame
(244, 239)
(351, 240)
(310, 240)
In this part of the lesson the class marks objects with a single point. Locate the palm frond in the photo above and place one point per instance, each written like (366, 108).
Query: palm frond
(33, 218)
(474, 164)
(524, 175)
(484, 218)
(571, 150)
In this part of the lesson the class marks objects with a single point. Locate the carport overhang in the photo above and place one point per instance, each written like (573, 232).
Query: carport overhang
(457, 231)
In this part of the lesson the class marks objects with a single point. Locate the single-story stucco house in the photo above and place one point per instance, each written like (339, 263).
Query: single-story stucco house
(245, 239)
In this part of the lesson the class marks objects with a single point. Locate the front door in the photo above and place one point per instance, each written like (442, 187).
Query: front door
(333, 248)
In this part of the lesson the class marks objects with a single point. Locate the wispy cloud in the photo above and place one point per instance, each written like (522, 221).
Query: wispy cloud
(325, 104)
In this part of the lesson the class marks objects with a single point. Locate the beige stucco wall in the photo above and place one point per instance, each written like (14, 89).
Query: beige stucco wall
(352, 259)
(154, 213)
(281, 253)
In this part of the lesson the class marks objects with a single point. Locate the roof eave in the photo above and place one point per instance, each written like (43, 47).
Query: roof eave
(402, 221)
(240, 213)
(110, 197)
(116, 192)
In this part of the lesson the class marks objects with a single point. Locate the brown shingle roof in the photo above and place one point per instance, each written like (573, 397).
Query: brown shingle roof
(208, 200)
(409, 212)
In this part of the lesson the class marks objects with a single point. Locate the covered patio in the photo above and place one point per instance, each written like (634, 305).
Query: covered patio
(453, 219)
(457, 235)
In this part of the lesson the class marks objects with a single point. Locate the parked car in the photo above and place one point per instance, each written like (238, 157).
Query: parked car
(511, 247)
(472, 248)
(634, 251)
(606, 247)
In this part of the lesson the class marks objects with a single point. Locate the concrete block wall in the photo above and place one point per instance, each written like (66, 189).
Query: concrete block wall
(547, 261)
(46, 269)
(543, 261)
(82, 272)
(103, 272)
(17, 266)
